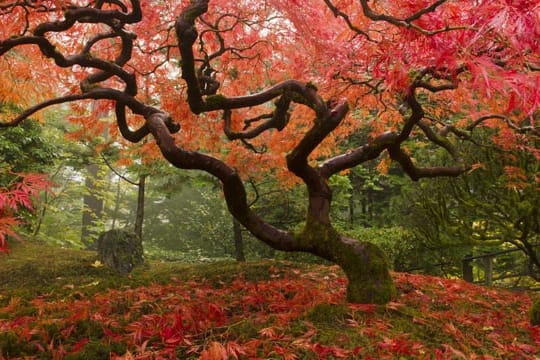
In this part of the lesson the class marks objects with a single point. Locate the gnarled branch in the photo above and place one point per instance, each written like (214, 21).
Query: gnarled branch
(416, 173)
(233, 187)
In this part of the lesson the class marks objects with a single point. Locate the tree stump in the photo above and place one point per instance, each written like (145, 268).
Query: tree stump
(120, 249)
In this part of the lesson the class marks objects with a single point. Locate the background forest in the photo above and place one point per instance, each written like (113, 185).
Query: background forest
(185, 217)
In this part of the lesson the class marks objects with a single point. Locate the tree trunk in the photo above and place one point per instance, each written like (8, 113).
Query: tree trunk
(116, 204)
(364, 263)
(139, 215)
(40, 215)
(351, 210)
(238, 241)
(366, 268)
(92, 206)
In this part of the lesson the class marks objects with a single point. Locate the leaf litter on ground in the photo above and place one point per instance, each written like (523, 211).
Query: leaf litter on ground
(261, 310)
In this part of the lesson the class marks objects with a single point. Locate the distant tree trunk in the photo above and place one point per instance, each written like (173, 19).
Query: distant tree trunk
(116, 204)
(467, 269)
(351, 209)
(238, 241)
(139, 215)
(40, 215)
(92, 206)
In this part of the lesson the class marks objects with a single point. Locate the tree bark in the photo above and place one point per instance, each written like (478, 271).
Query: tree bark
(364, 264)
(40, 215)
(139, 215)
(116, 204)
(92, 206)
(238, 241)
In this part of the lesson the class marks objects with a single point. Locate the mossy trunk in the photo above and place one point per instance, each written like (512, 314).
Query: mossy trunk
(366, 267)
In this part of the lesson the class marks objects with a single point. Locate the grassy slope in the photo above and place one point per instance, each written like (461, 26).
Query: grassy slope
(55, 304)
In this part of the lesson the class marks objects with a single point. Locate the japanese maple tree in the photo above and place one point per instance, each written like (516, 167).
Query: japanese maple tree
(15, 197)
(273, 87)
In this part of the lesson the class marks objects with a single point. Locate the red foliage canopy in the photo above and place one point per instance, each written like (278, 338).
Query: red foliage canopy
(455, 64)
(429, 71)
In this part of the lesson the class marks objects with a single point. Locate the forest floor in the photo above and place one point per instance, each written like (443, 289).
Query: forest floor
(60, 304)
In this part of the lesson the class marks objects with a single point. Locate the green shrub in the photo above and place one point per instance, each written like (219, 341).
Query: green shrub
(395, 242)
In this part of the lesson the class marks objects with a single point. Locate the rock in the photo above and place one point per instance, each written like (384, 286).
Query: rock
(120, 249)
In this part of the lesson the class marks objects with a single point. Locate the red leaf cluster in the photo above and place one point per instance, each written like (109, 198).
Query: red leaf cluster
(15, 197)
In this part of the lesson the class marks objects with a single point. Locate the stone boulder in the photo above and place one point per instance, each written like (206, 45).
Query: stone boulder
(120, 249)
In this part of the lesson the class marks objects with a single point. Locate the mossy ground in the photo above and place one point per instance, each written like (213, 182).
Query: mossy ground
(32, 269)
(264, 309)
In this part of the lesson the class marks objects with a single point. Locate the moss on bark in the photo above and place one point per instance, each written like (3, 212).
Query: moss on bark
(364, 263)
(366, 268)
(216, 101)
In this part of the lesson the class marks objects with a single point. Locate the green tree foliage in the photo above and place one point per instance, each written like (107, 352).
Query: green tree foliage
(61, 218)
(495, 207)
(26, 148)
(188, 220)
(396, 242)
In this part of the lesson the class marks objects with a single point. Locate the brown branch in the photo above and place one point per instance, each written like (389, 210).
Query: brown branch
(113, 18)
(233, 187)
(374, 88)
(408, 21)
(438, 139)
(320, 130)
(341, 14)
(290, 90)
(425, 10)
(127, 133)
(8, 44)
(417, 113)
(299, 92)
(458, 132)
(124, 56)
(116, 172)
(436, 88)
(95, 94)
(248, 122)
(187, 35)
(415, 173)
(361, 154)
(49, 50)
(120, 4)
(535, 130)
(277, 120)
(297, 162)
